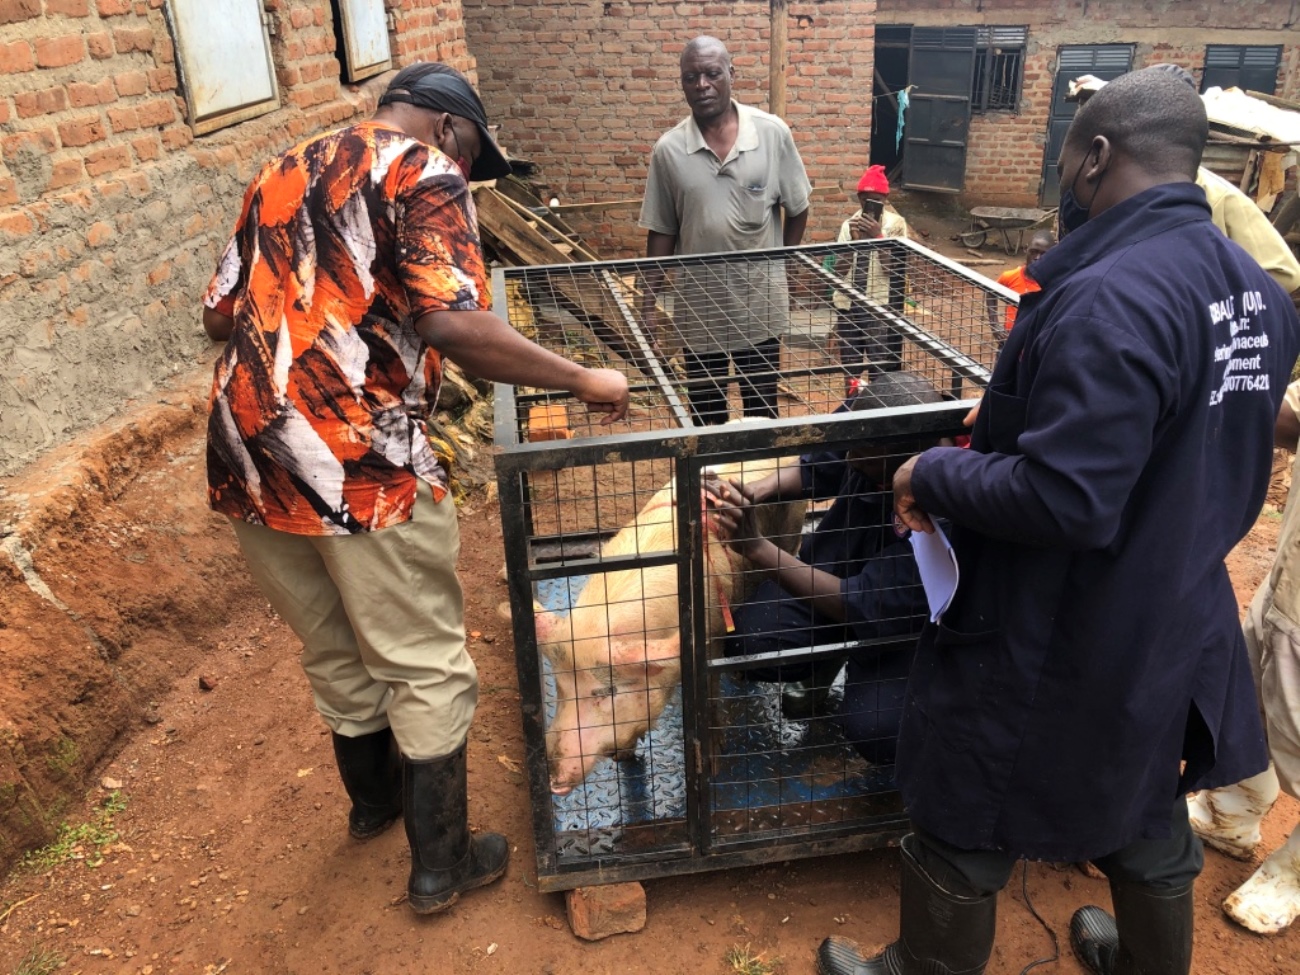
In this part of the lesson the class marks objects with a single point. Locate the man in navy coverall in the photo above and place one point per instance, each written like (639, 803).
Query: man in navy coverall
(1122, 449)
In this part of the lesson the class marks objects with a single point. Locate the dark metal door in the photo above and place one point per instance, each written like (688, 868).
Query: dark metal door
(938, 120)
(1238, 66)
(1104, 61)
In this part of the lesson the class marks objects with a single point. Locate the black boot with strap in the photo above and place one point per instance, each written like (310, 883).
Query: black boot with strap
(446, 860)
(940, 932)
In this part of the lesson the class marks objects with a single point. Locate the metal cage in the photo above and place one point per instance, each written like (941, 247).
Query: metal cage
(685, 761)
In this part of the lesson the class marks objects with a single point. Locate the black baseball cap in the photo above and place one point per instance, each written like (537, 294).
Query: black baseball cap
(439, 88)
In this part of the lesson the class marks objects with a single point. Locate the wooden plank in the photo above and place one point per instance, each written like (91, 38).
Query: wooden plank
(1275, 101)
(778, 56)
(562, 208)
(592, 306)
(539, 222)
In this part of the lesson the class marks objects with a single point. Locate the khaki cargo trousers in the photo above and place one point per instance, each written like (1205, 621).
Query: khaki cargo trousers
(381, 620)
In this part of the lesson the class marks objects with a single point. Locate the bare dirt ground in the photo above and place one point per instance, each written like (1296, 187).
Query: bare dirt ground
(233, 854)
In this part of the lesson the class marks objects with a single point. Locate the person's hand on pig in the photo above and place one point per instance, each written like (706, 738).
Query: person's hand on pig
(733, 519)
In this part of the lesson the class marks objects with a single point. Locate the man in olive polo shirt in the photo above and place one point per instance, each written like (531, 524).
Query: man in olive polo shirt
(720, 180)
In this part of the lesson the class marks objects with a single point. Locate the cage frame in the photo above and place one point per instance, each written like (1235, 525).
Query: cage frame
(690, 449)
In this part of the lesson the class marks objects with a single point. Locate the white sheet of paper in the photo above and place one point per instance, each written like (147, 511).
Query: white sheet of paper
(938, 567)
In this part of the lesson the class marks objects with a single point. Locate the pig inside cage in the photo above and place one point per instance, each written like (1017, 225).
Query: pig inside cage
(713, 615)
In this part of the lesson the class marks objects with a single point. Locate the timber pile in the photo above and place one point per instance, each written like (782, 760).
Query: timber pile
(519, 230)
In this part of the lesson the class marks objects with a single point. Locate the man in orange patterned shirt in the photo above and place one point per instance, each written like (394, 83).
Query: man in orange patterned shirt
(354, 268)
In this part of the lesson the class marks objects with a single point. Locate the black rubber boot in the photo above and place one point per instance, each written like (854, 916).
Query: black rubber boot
(1150, 934)
(803, 700)
(445, 859)
(372, 774)
(941, 933)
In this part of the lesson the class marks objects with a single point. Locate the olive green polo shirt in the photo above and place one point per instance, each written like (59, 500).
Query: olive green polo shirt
(716, 205)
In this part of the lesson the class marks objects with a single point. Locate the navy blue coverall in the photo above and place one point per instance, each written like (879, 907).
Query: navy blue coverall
(1122, 449)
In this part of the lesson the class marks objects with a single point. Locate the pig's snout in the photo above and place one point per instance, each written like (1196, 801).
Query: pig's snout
(566, 775)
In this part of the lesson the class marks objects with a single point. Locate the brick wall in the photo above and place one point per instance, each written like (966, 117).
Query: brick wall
(112, 214)
(584, 88)
(1005, 159)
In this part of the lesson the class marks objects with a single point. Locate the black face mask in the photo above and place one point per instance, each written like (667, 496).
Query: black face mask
(1071, 214)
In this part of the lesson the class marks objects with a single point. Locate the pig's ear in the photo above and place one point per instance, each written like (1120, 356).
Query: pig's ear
(656, 655)
(551, 629)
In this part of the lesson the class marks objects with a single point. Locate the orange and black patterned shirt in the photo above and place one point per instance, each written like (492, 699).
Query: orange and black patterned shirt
(320, 398)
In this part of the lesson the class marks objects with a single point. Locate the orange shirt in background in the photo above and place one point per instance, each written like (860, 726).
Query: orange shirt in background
(1021, 283)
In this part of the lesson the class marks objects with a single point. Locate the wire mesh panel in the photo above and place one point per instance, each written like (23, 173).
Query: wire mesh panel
(686, 706)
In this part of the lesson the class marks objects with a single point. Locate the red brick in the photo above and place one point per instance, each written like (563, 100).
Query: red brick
(131, 83)
(300, 17)
(123, 119)
(16, 57)
(17, 224)
(102, 161)
(159, 111)
(128, 39)
(100, 44)
(82, 95)
(163, 79)
(112, 8)
(99, 233)
(8, 191)
(177, 137)
(29, 104)
(13, 11)
(65, 173)
(57, 52)
(68, 8)
(147, 148)
(4, 111)
(82, 131)
(33, 140)
(598, 912)
(159, 274)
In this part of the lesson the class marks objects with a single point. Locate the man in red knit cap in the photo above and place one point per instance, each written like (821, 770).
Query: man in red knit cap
(865, 341)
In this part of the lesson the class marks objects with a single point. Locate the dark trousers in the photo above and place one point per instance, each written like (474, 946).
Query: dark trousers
(876, 682)
(867, 342)
(1167, 863)
(757, 371)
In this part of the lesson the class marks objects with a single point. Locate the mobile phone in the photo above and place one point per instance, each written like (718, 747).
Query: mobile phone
(873, 209)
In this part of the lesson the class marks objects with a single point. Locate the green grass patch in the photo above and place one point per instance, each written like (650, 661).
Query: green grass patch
(39, 961)
(84, 841)
(744, 961)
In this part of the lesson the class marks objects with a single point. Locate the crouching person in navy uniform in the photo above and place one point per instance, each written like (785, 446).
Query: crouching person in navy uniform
(854, 579)
(1122, 449)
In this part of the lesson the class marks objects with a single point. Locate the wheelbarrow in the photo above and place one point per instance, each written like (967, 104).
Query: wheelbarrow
(1005, 220)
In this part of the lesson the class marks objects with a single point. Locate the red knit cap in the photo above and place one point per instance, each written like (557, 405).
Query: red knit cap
(874, 181)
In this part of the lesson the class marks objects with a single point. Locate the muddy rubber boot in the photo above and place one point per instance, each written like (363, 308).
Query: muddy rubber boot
(1150, 934)
(372, 775)
(1269, 902)
(940, 933)
(1228, 819)
(446, 860)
